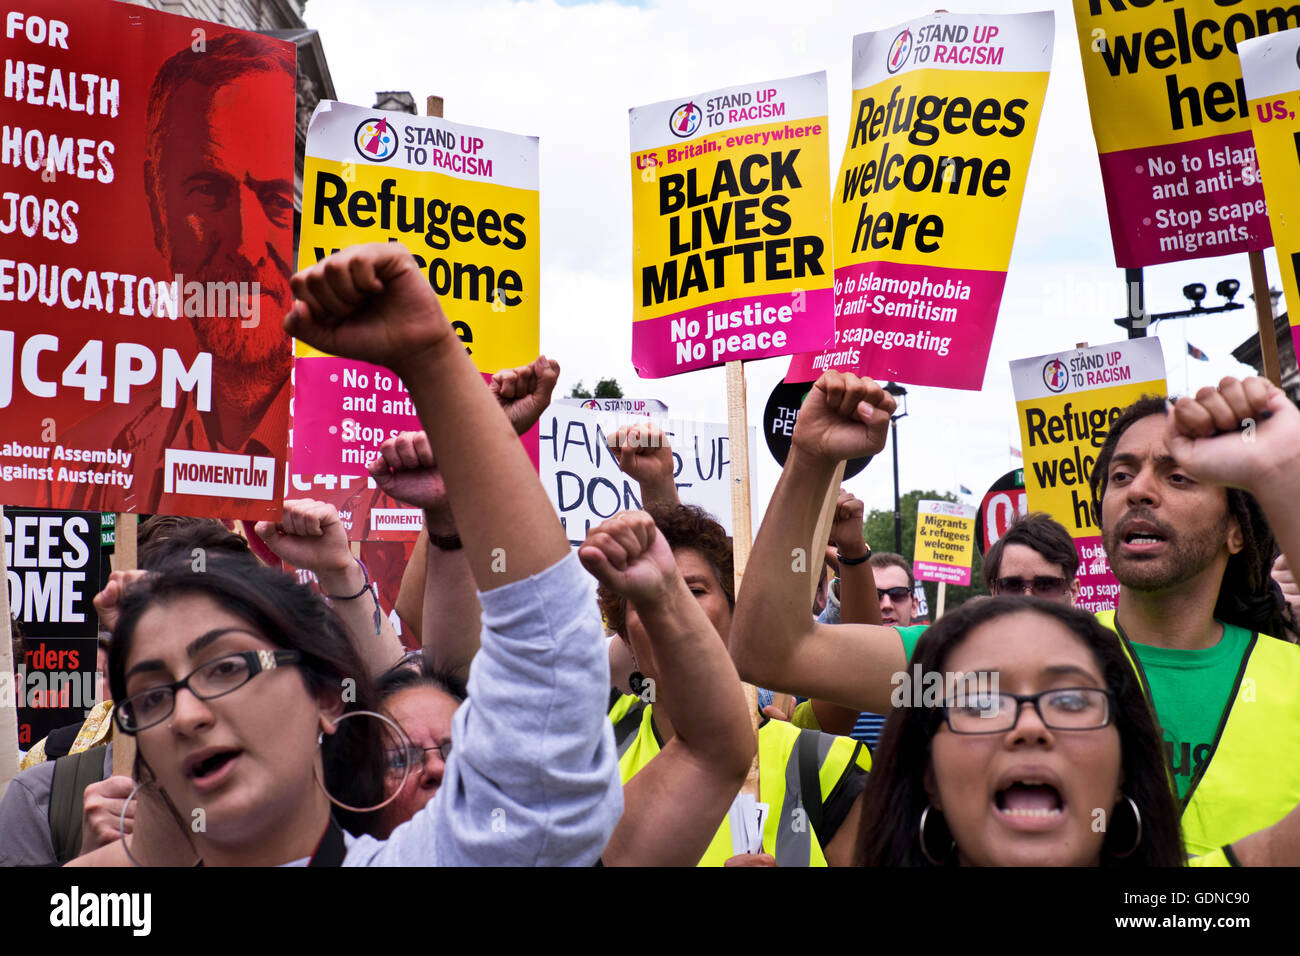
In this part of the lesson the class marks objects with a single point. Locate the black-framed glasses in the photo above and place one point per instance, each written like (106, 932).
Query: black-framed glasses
(1041, 585)
(1061, 708)
(414, 755)
(895, 594)
(216, 678)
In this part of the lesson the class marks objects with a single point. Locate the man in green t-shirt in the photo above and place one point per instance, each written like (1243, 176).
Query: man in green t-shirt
(1193, 561)
(1181, 500)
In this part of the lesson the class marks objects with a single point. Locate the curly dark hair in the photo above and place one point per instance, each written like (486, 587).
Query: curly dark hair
(896, 796)
(683, 526)
(1248, 595)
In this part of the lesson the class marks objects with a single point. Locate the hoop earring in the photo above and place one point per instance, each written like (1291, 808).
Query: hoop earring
(121, 829)
(1137, 817)
(406, 767)
(924, 850)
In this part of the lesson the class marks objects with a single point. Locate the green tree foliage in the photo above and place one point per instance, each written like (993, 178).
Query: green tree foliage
(879, 532)
(605, 388)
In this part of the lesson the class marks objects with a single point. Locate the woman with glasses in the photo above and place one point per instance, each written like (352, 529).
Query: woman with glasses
(1030, 744)
(228, 680)
(423, 702)
(241, 711)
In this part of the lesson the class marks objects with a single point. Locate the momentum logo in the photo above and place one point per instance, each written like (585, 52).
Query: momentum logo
(396, 519)
(213, 473)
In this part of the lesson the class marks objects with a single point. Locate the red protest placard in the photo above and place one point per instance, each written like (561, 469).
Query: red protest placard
(146, 231)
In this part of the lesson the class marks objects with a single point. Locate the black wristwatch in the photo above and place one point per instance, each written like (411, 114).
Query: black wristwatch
(852, 562)
(450, 542)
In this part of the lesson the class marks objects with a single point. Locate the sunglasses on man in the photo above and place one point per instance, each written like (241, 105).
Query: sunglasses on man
(1043, 585)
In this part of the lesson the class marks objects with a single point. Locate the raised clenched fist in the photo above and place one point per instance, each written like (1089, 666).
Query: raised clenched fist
(369, 302)
(644, 455)
(629, 556)
(525, 392)
(308, 535)
(846, 528)
(1245, 434)
(843, 417)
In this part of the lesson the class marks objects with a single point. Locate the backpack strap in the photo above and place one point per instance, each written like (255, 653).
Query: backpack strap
(627, 727)
(810, 788)
(72, 775)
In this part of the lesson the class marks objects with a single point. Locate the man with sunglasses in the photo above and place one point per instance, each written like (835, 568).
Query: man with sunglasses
(1036, 556)
(894, 588)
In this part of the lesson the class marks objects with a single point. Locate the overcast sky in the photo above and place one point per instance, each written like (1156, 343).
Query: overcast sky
(569, 72)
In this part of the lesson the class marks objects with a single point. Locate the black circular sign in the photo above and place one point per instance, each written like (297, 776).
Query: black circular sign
(779, 418)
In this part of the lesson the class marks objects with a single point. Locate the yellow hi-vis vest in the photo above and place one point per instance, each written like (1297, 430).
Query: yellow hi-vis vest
(788, 834)
(1251, 778)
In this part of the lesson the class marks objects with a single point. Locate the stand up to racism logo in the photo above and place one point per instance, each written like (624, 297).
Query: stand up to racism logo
(1055, 375)
(376, 139)
(685, 120)
(899, 51)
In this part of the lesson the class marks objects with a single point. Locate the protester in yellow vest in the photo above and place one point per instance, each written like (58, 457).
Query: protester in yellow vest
(1185, 501)
(811, 782)
(1253, 780)
(671, 809)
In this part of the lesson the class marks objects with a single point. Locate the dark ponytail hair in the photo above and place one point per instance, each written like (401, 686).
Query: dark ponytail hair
(291, 616)
(896, 796)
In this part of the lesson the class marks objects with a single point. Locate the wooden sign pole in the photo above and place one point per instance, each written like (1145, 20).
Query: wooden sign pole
(822, 533)
(124, 559)
(124, 534)
(1264, 318)
(742, 533)
(943, 593)
(8, 714)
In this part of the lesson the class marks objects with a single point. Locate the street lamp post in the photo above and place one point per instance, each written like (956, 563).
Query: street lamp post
(1138, 319)
(899, 393)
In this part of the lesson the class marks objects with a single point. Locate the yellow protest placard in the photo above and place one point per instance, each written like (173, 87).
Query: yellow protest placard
(945, 542)
(1065, 404)
(1270, 67)
(944, 118)
(464, 201)
(731, 226)
(1169, 112)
